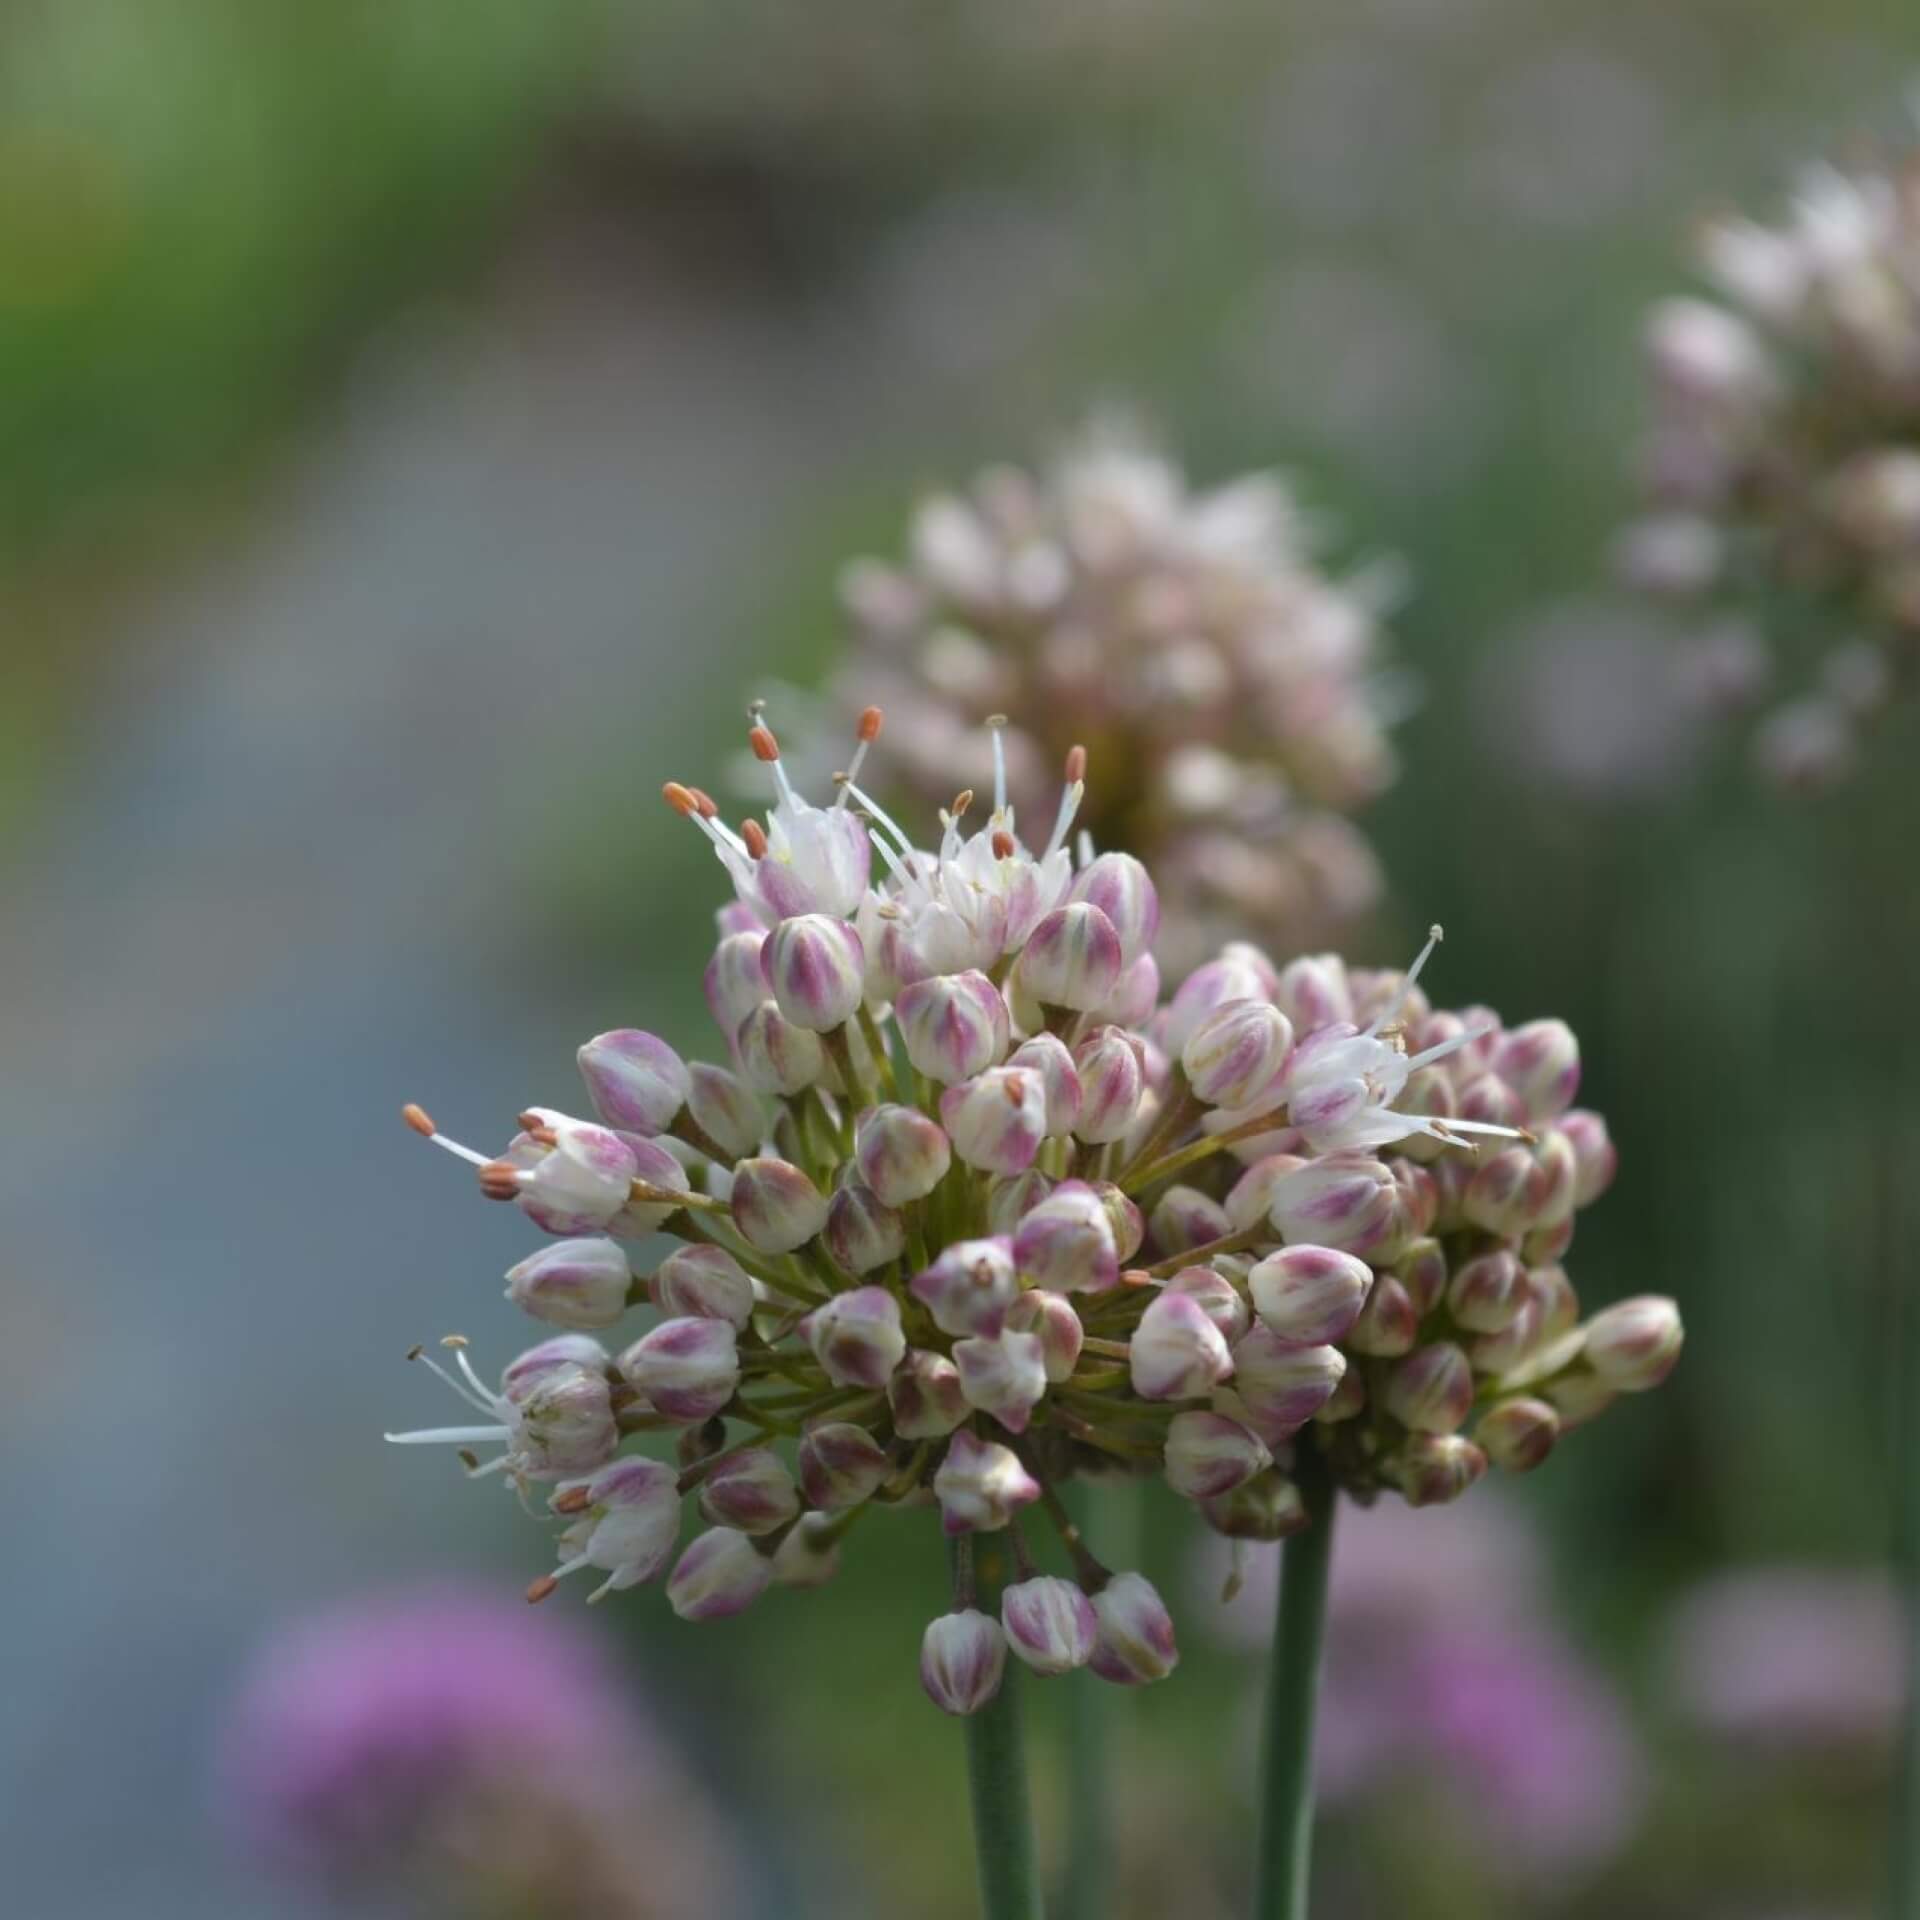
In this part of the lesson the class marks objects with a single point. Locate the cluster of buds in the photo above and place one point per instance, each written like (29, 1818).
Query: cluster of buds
(1782, 467)
(1189, 636)
(970, 1208)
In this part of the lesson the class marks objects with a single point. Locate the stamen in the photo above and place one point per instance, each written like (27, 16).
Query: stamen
(705, 802)
(418, 1119)
(421, 1122)
(680, 799)
(961, 802)
(1435, 934)
(498, 1180)
(444, 1436)
(1069, 806)
(996, 727)
(570, 1500)
(1076, 764)
(538, 1590)
(1441, 1048)
(753, 837)
(475, 1396)
(766, 749)
(1083, 850)
(1002, 843)
(865, 734)
(877, 813)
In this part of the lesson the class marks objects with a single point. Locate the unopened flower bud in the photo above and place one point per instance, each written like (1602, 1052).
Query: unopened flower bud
(816, 970)
(1123, 890)
(1347, 1400)
(704, 1283)
(1184, 1218)
(1072, 959)
(1578, 1396)
(981, 1485)
(582, 1183)
(1049, 1623)
(1128, 1223)
(1559, 1303)
(856, 1337)
(1487, 1100)
(1234, 1056)
(1431, 1390)
(1280, 1387)
(631, 1523)
(1312, 992)
(1544, 1246)
(1388, 1323)
(776, 1056)
(565, 1425)
(901, 1153)
(962, 1658)
(1047, 1055)
(1309, 1295)
(1267, 1507)
(636, 1081)
(1422, 1270)
(735, 982)
(1050, 1318)
(1434, 1468)
(1132, 1002)
(687, 1369)
(751, 1491)
(1343, 1200)
(1177, 1353)
(1707, 356)
(1012, 1196)
(969, 1287)
(1218, 1298)
(997, 1119)
(775, 1206)
(861, 1233)
(1517, 1434)
(1135, 1644)
(1496, 1196)
(1111, 1073)
(1004, 1376)
(953, 1025)
(1595, 1158)
(1250, 1199)
(1233, 976)
(1634, 1345)
(565, 1351)
(1208, 1455)
(1541, 1062)
(925, 1396)
(1502, 1352)
(722, 1572)
(725, 1109)
(573, 1283)
(809, 1554)
(1066, 1242)
(840, 1465)
(1488, 1291)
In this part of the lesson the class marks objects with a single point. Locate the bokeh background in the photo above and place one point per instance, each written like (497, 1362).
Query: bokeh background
(422, 427)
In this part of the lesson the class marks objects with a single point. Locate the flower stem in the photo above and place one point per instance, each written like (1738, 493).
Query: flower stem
(1293, 1684)
(997, 1763)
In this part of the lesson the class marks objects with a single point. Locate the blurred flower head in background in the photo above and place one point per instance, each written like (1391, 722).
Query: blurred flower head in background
(489, 1761)
(1230, 692)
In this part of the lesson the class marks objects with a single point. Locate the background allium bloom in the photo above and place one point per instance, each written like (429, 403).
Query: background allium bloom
(451, 1742)
(1189, 636)
(1781, 467)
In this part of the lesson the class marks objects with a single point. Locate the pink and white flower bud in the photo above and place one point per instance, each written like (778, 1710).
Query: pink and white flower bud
(1005, 1376)
(704, 1283)
(1047, 1055)
(1488, 1291)
(1542, 1246)
(563, 1425)
(809, 1555)
(1123, 890)
(1233, 976)
(735, 981)
(1389, 1324)
(902, 1154)
(1208, 1455)
(1267, 1507)
(721, 1573)
(1486, 1098)
(1250, 1199)
(1343, 1200)
(997, 1119)
(1313, 992)
(1594, 1156)
(750, 1491)
(1431, 1390)
(636, 1081)
(1541, 1063)
(687, 1369)
(579, 1185)
(1634, 1345)
(653, 1164)
(1434, 1468)
(1234, 1056)
(1066, 1242)
(1012, 1196)
(1184, 1218)
(1218, 1298)
(1072, 959)
(1559, 1303)
(1517, 1435)
(861, 1233)
(1051, 1319)
(1310, 1295)
(1578, 1396)
(1128, 1223)
(573, 1283)
(1135, 1644)
(1496, 1197)
(1134, 999)
(969, 1287)
(775, 1206)
(925, 1396)
(962, 1658)
(1346, 1401)
(525, 1371)
(1177, 1352)
(840, 1465)
(1049, 1623)
(1112, 1078)
(631, 1524)
(856, 1337)
(981, 1485)
(953, 1025)
(1278, 1388)
(725, 1109)
(816, 970)
(1422, 1271)
(776, 1056)
(1515, 1343)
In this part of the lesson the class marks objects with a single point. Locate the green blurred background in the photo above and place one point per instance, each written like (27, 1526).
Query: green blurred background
(421, 427)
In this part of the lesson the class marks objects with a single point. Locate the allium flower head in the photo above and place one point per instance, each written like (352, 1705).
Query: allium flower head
(998, 1220)
(1191, 633)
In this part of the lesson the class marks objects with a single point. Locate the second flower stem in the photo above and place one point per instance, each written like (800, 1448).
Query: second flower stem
(1293, 1686)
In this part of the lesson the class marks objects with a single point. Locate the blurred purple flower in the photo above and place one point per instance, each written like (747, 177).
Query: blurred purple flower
(1790, 1655)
